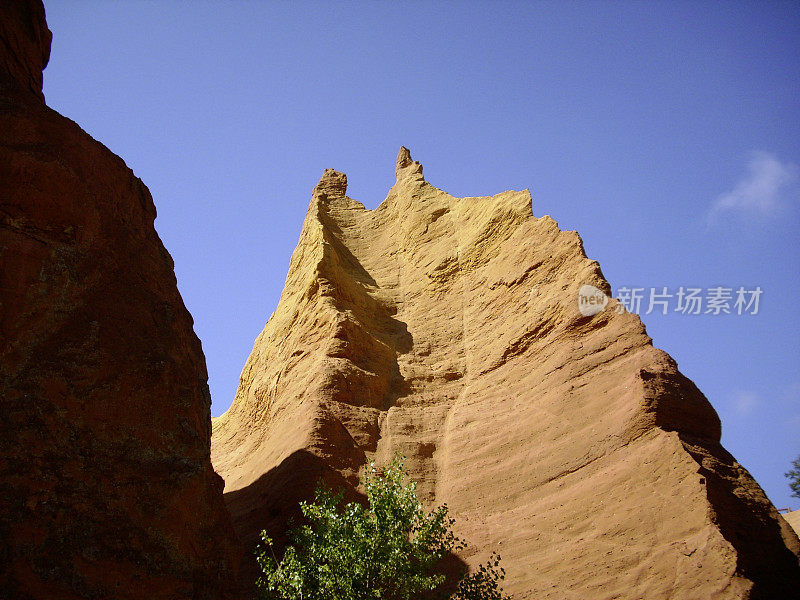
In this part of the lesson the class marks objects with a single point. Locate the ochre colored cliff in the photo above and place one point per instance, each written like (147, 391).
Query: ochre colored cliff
(793, 518)
(106, 484)
(447, 329)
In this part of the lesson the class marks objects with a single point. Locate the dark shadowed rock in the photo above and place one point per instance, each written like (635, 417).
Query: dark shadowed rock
(106, 485)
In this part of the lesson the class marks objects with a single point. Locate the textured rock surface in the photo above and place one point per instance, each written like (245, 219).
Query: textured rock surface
(793, 518)
(447, 329)
(25, 44)
(106, 485)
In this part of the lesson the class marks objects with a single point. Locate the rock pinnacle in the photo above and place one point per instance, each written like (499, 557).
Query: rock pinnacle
(405, 165)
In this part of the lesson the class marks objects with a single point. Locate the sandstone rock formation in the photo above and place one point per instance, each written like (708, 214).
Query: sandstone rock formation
(793, 518)
(447, 329)
(106, 484)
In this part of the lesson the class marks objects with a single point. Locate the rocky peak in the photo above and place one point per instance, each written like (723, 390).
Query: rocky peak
(447, 330)
(405, 166)
(331, 184)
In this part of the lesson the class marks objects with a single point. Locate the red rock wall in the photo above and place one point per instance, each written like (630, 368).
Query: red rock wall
(106, 485)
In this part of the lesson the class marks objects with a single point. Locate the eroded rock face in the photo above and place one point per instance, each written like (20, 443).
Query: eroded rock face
(793, 518)
(447, 329)
(106, 484)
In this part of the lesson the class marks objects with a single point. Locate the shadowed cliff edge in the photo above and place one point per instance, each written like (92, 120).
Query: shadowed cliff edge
(106, 484)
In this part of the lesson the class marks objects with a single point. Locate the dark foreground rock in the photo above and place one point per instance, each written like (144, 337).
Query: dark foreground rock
(106, 485)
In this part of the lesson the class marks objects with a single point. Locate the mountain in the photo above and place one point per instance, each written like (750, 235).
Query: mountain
(448, 330)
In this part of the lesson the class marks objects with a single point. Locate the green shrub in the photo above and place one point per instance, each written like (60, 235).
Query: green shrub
(389, 549)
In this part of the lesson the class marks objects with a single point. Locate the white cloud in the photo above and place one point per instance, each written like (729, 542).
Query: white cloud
(745, 402)
(762, 190)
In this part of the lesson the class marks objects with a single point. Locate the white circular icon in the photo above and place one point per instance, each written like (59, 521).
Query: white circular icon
(591, 300)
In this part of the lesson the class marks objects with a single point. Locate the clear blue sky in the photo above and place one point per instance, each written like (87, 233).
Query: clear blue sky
(667, 134)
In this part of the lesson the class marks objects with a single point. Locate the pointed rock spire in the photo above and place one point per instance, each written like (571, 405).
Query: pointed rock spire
(332, 183)
(405, 165)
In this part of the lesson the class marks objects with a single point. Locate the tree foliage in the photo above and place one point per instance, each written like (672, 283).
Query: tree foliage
(390, 549)
(794, 477)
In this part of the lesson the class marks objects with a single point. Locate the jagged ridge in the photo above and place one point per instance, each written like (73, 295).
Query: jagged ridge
(447, 329)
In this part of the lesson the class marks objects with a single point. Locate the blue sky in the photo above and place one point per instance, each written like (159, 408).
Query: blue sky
(667, 134)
